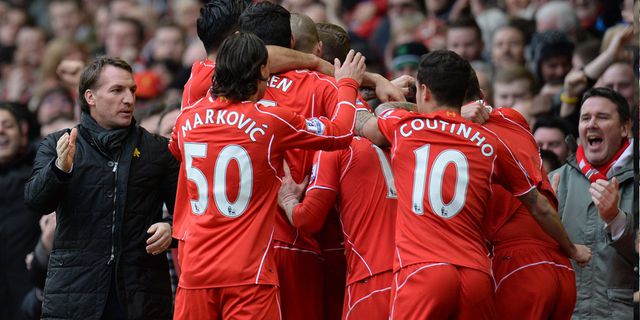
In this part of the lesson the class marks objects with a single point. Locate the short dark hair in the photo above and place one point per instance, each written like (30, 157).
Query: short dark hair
(269, 21)
(466, 22)
(91, 74)
(218, 19)
(305, 32)
(335, 41)
(446, 74)
(238, 66)
(552, 122)
(613, 96)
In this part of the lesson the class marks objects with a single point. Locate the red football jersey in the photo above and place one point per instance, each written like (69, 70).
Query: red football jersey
(231, 157)
(508, 219)
(444, 166)
(312, 95)
(199, 83)
(366, 201)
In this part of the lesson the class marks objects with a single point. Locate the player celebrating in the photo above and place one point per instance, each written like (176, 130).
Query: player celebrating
(444, 166)
(363, 191)
(230, 147)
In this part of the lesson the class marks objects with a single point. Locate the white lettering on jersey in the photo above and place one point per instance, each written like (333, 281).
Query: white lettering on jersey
(463, 130)
(224, 117)
(279, 83)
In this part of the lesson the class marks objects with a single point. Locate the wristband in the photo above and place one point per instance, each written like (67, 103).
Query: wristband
(568, 100)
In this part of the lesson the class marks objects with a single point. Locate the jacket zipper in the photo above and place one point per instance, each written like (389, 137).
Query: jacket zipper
(113, 215)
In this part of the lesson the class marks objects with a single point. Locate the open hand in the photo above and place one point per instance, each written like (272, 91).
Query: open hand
(353, 67)
(66, 150)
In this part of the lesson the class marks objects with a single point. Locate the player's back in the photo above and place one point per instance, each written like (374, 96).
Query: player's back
(366, 203)
(311, 95)
(444, 166)
(508, 221)
(231, 155)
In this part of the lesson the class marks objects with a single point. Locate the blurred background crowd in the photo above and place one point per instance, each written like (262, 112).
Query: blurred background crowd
(533, 55)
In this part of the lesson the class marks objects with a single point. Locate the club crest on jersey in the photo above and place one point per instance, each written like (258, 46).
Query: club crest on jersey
(315, 125)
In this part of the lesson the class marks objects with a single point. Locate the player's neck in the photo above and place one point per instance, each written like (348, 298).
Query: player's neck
(446, 108)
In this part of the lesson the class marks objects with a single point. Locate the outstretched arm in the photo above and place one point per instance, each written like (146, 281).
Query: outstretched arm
(367, 126)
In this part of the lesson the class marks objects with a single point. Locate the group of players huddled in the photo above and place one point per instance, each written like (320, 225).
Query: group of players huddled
(439, 204)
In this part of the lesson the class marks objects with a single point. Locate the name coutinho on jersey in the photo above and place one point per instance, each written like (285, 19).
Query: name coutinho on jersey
(223, 117)
(460, 129)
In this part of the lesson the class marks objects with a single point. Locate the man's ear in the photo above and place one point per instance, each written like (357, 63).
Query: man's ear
(89, 97)
(425, 92)
(318, 49)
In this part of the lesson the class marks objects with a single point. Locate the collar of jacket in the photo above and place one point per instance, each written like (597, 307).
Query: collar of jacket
(107, 141)
(625, 173)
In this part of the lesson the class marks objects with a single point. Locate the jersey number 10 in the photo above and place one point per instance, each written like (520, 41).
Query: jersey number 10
(436, 177)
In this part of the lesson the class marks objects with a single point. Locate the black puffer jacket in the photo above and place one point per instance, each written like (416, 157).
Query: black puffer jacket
(19, 232)
(104, 208)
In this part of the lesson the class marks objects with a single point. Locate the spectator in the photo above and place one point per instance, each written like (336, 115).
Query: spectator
(550, 134)
(550, 58)
(558, 16)
(107, 181)
(464, 37)
(37, 262)
(55, 103)
(168, 43)
(507, 46)
(512, 84)
(66, 18)
(19, 229)
(124, 39)
(406, 58)
(602, 168)
(619, 77)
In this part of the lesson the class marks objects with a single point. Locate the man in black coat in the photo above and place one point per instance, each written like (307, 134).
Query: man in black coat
(19, 228)
(107, 179)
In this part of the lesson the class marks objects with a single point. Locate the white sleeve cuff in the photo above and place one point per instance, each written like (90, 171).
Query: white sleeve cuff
(617, 225)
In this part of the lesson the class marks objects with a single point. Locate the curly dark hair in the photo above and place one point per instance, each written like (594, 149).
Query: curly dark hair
(238, 66)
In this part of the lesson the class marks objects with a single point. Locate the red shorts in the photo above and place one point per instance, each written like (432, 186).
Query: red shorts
(441, 291)
(533, 282)
(335, 273)
(300, 276)
(368, 298)
(239, 302)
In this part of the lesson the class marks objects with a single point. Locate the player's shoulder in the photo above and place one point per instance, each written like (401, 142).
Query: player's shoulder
(314, 77)
(508, 114)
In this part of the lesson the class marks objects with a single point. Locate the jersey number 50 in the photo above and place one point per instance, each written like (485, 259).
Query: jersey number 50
(443, 159)
(228, 153)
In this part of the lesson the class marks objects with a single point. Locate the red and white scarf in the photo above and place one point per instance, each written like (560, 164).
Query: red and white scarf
(600, 172)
